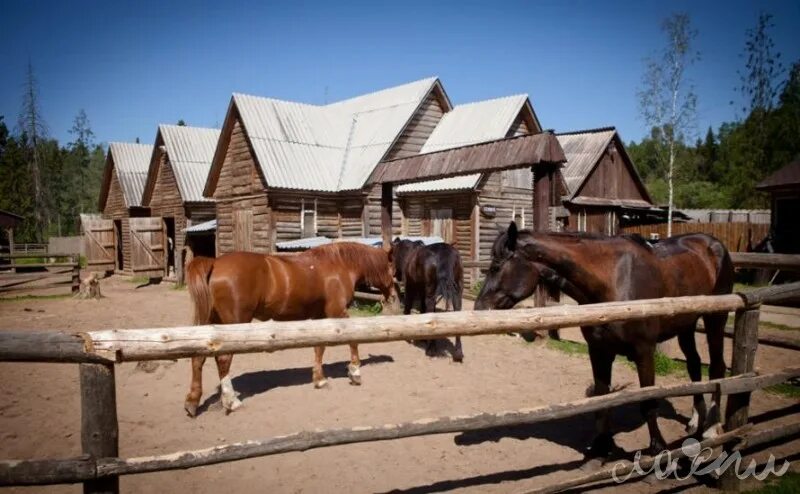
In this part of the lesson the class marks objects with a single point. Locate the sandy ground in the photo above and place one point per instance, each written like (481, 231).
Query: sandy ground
(40, 416)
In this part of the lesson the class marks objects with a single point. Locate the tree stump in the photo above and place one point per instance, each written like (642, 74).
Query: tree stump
(90, 287)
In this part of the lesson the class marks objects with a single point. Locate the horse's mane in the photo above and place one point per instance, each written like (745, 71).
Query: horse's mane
(370, 261)
(578, 236)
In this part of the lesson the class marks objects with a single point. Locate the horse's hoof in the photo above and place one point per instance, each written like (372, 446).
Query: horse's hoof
(232, 406)
(191, 409)
(691, 429)
(713, 431)
(458, 357)
(354, 373)
(655, 448)
(322, 383)
(600, 448)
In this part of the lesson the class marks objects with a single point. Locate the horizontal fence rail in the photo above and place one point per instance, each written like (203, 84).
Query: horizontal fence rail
(98, 351)
(125, 345)
(70, 470)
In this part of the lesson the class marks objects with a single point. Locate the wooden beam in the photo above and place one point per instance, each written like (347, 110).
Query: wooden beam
(17, 472)
(386, 214)
(785, 262)
(775, 340)
(99, 428)
(52, 346)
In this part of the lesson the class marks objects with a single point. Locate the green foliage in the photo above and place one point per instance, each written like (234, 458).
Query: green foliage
(568, 347)
(363, 309)
(477, 287)
(788, 483)
(789, 390)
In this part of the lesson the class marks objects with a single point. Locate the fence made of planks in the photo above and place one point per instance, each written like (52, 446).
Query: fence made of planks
(32, 271)
(97, 351)
(735, 236)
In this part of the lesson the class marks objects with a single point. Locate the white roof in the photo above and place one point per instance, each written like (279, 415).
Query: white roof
(206, 226)
(467, 124)
(190, 151)
(327, 148)
(311, 242)
(582, 150)
(131, 161)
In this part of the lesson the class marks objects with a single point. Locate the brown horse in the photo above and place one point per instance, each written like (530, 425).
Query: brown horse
(430, 272)
(595, 268)
(319, 283)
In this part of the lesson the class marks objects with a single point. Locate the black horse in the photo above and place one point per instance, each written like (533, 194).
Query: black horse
(430, 272)
(595, 268)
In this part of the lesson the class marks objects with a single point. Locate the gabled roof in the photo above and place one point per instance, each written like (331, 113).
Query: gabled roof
(326, 148)
(131, 162)
(786, 177)
(583, 150)
(467, 124)
(189, 151)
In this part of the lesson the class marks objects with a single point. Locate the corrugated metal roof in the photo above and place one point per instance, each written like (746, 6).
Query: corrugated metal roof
(467, 124)
(503, 154)
(311, 242)
(788, 176)
(190, 151)
(583, 150)
(206, 226)
(327, 148)
(131, 161)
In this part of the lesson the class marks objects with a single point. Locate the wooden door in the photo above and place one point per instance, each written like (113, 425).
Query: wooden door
(442, 224)
(148, 246)
(99, 244)
(243, 230)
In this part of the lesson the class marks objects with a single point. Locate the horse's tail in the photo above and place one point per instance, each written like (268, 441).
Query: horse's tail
(198, 271)
(450, 280)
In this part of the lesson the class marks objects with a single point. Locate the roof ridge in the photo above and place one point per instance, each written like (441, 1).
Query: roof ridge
(186, 127)
(430, 80)
(595, 130)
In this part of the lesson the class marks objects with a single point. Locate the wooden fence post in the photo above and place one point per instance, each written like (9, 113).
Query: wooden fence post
(76, 274)
(99, 429)
(745, 342)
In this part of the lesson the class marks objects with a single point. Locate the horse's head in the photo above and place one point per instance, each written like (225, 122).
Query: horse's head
(384, 281)
(400, 251)
(511, 277)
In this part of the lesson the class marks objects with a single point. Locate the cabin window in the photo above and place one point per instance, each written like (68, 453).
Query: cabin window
(308, 218)
(519, 217)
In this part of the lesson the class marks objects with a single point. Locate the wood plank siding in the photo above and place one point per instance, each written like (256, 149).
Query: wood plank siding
(409, 143)
(115, 209)
(240, 187)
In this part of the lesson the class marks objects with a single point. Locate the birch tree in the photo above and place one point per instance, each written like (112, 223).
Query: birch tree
(667, 100)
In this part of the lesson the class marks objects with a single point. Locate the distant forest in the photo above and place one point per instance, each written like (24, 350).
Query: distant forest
(50, 183)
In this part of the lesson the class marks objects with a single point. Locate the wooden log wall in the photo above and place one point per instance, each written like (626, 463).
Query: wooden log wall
(510, 203)
(116, 209)
(733, 235)
(166, 202)
(240, 188)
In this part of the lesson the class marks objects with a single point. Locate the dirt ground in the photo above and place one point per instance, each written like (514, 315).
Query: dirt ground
(40, 413)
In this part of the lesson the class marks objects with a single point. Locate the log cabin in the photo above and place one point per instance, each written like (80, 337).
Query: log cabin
(284, 170)
(602, 188)
(469, 211)
(173, 190)
(783, 187)
(120, 200)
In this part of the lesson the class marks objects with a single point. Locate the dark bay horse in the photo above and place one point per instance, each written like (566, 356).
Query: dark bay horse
(430, 272)
(594, 268)
(316, 284)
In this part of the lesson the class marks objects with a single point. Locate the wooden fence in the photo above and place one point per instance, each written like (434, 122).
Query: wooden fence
(733, 235)
(53, 272)
(97, 351)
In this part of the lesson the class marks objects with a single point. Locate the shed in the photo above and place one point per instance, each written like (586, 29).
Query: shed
(783, 187)
(284, 170)
(601, 183)
(179, 166)
(469, 211)
(8, 221)
(118, 241)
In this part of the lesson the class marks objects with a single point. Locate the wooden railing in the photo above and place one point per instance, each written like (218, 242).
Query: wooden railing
(52, 272)
(97, 351)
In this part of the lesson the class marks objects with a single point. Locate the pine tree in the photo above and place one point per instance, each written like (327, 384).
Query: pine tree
(33, 130)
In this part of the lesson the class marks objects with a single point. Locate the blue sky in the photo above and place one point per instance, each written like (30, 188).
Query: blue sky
(134, 65)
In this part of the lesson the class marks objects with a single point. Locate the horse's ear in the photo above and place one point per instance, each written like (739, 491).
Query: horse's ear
(511, 236)
(396, 240)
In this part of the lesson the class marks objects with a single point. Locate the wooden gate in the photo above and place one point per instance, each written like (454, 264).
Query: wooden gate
(148, 246)
(442, 224)
(99, 244)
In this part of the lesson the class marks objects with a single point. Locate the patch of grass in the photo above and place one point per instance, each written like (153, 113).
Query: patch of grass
(665, 365)
(83, 262)
(139, 280)
(29, 260)
(788, 483)
(178, 286)
(23, 298)
(360, 309)
(773, 325)
(476, 288)
(789, 390)
(568, 347)
(745, 287)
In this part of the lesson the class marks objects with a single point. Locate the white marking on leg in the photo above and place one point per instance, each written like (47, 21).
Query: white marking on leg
(354, 373)
(321, 383)
(698, 417)
(229, 400)
(713, 418)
